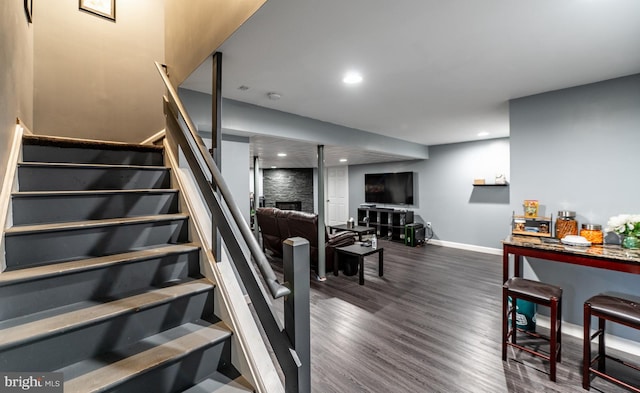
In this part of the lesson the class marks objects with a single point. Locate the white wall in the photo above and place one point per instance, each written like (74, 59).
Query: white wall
(234, 163)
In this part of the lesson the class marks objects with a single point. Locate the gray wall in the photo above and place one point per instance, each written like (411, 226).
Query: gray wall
(444, 194)
(577, 149)
(16, 74)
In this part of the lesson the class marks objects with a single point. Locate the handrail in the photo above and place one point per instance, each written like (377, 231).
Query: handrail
(277, 290)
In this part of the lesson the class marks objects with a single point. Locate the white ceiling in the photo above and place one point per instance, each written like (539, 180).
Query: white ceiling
(434, 71)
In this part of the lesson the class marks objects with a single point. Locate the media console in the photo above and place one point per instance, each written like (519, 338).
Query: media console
(388, 223)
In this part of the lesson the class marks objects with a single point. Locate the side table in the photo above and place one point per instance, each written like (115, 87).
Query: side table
(360, 252)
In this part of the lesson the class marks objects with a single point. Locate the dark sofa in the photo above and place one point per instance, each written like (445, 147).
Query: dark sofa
(278, 225)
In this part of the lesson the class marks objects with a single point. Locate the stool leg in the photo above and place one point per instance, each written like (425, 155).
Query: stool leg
(586, 347)
(559, 332)
(601, 346)
(514, 319)
(505, 322)
(553, 339)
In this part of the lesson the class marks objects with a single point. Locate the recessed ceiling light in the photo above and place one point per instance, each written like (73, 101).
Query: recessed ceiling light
(274, 96)
(343, 160)
(273, 167)
(282, 154)
(243, 87)
(483, 133)
(352, 78)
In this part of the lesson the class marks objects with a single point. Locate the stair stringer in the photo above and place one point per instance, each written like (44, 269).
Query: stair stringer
(9, 185)
(249, 354)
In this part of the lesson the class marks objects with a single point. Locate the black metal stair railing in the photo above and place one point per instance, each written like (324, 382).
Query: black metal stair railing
(290, 343)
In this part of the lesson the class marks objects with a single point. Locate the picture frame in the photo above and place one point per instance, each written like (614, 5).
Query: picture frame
(103, 8)
(28, 10)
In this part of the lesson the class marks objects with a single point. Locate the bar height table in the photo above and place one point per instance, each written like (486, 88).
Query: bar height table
(609, 257)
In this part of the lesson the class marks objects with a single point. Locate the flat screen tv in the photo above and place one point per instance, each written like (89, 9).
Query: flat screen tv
(391, 188)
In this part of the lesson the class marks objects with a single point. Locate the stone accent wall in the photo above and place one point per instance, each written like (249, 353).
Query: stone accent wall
(287, 185)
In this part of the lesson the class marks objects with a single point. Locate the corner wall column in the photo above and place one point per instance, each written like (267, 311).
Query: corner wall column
(321, 227)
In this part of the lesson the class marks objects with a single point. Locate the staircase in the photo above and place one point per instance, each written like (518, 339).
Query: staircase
(101, 281)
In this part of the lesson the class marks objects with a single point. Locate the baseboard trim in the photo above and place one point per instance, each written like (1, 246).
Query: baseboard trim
(155, 138)
(468, 247)
(573, 330)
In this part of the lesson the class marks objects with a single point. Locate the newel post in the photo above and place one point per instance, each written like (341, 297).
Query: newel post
(297, 323)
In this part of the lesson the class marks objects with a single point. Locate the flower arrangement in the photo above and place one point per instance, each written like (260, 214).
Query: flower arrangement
(624, 224)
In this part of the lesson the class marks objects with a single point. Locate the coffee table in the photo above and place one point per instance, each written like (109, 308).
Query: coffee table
(358, 229)
(359, 251)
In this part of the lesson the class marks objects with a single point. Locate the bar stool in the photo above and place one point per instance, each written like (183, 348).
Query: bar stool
(538, 293)
(622, 309)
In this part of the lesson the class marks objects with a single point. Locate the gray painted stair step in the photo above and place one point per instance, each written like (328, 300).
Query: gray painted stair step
(88, 329)
(220, 383)
(39, 176)
(160, 363)
(32, 245)
(64, 206)
(31, 290)
(73, 320)
(57, 149)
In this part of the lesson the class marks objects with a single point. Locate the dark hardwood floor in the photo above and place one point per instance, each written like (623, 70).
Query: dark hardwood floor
(430, 324)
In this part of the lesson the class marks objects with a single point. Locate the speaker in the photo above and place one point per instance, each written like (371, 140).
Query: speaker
(414, 234)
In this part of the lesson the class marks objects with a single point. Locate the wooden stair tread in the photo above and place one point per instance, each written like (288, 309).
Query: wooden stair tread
(220, 383)
(57, 141)
(69, 226)
(69, 165)
(44, 271)
(34, 330)
(147, 354)
(71, 193)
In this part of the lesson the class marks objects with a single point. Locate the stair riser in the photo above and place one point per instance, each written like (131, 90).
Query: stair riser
(179, 376)
(35, 296)
(57, 351)
(31, 249)
(51, 208)
(39, 153)
(41, 178)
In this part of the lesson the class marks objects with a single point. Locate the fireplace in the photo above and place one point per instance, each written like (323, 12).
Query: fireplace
(289, 205)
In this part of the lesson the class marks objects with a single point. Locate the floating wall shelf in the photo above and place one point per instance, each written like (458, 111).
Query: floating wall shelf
(491, 185)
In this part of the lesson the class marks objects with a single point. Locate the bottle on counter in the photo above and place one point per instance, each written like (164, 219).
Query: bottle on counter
(374, 242)
(566, 224)
(592, 232)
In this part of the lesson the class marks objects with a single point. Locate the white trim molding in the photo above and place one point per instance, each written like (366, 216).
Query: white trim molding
(9, 185)
(613, 342)
(468, 247)
(153, 139)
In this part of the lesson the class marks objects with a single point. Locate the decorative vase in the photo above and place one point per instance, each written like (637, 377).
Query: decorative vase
(631, 241)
